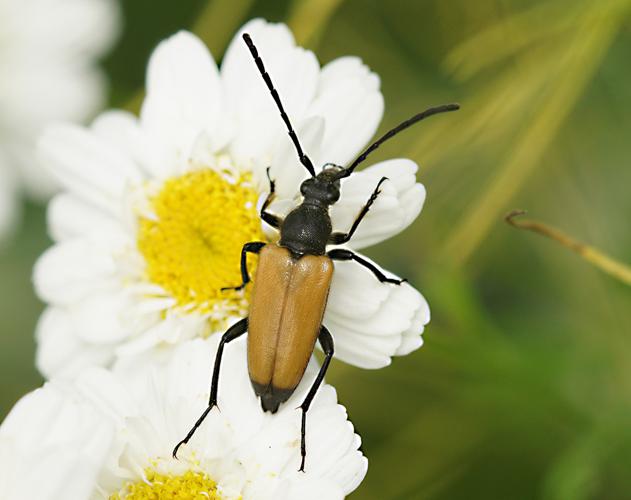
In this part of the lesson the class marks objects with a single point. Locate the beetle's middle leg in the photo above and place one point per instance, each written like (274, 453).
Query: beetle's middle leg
(251, 247)
(234, 332)
(339, 238)
(343, 254)
(326, 341)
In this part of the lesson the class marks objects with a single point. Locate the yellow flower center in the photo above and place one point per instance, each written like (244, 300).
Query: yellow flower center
(188, 486)
(192, 241)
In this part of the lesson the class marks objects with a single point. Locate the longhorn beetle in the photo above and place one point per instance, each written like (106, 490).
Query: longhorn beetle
(293, 279)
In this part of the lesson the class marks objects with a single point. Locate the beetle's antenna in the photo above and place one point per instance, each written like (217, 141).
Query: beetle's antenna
(388, 135)
(304, 159)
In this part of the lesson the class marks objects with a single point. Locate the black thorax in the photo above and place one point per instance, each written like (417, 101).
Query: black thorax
(307, 228)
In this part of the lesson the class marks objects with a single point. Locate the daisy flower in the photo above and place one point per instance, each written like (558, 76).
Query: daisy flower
(109, 435)
(48, 52)
(155, 209)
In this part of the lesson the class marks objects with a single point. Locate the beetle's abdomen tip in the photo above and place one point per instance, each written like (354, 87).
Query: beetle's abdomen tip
(269, 404)
(271, 397)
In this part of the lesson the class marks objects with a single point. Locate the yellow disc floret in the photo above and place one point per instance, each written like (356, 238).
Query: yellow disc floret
(192, 240)
(188, 486)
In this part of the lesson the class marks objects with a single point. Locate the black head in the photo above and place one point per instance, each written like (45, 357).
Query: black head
(324, 188)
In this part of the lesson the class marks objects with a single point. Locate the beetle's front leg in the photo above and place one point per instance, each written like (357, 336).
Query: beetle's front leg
(343, 254)
(252, 247)
(271, 219)
(234, 332)
(326, 341)
(339, 238)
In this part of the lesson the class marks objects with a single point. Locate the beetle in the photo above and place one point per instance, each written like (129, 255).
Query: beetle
(293, 279)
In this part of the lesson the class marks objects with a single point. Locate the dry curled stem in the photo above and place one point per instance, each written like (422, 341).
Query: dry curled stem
(592, 255)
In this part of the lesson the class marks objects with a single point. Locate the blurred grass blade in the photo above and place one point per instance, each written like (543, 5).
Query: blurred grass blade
(509, 36)
(500, 101)
(578, 61)
(309, 18)
(575, 473)
(592, 255)
(218, 22)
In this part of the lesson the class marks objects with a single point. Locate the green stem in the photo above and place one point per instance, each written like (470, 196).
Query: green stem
(592, 255)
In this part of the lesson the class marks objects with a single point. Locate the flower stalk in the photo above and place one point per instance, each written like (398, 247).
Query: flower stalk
(602, 261)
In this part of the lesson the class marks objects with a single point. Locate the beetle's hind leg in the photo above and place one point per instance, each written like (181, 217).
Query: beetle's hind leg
(235, 331)
(251, 247)
(273, 220)
(339, 238)
(326, 341)
(343, 254)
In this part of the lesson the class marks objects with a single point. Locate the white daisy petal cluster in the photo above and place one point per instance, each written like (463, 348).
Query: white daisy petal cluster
(148, 228)
(48, 53)
(155, 209)
(110, 434)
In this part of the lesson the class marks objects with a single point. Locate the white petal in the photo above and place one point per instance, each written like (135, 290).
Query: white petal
(122, 131)
(53, 47)
(69, 271)
(411, 338)
(183, 96)
(73, 93)
(334, 439)
(310, 489)
(105, 392)
(372, 321)
(103, 317)
(294, 72)
(396, 207)
(87, 166)
(355, 291)
(349, 99)
(56, 444)
(286, 169)
(80, 30)
(349, 352)
(60, 351)
(9, 205)
(168, 329)
(70, 217)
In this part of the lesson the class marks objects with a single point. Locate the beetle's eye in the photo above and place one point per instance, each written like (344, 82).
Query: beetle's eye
(304, 187)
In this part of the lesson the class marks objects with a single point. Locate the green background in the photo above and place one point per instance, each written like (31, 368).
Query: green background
(523, 388)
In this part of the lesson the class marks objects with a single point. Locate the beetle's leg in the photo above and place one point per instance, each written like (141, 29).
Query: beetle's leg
(273, 220)
(235, 331)
(343, 254)
(326, 341)
(252, 247)
(339, 238)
